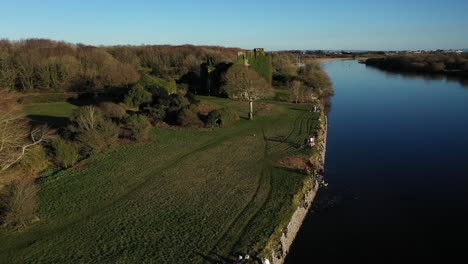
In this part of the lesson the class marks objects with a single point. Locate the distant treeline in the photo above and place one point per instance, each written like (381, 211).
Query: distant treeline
(46, 65)
(432, 63)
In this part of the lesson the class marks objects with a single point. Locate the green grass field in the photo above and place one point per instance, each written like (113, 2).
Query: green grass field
(54, 114)
(188, 196)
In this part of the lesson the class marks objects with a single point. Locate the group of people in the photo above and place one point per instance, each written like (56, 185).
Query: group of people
(247, 259)
(315, 108)
(310, 141)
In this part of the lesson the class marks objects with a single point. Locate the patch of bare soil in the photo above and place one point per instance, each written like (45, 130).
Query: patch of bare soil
(205, 109)
(298, 163)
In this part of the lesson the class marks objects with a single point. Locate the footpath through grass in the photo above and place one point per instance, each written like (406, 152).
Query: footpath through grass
(188, 196)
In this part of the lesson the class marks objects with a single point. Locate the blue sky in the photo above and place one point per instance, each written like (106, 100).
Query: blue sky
(275, 25)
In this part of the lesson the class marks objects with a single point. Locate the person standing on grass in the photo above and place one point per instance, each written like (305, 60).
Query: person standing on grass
(219, 122)
(311, 141)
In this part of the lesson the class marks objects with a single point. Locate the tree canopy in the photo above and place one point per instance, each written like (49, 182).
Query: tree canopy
(244, 83)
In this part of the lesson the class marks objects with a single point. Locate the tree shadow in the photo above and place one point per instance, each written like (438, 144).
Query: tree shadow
(114, 95)
(298, 109)
(299, 171)
(215, 258)
(51, 121)
(285, 140)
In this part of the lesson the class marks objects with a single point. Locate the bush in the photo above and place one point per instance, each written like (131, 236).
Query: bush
(188, 117)
(65, 153)
(436, 66)
(21, 203)
(112, 111)
(91, 143)
(35, 160)
(157, 86)
(178, 101)
(87, 118)
(109, 133)
(103, 137)
(137, 96)
(227, 116)
(155, 114)
(137, 127)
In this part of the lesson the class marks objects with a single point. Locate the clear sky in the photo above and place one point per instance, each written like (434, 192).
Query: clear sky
(273, 24)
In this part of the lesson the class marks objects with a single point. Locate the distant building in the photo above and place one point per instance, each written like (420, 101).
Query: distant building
(259, 60)
(250, 54)
(258, 52)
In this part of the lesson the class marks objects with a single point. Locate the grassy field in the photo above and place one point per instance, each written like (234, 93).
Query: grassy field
(188, 196)
(54, 114)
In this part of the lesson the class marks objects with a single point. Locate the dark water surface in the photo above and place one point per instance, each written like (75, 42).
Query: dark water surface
(397, 167)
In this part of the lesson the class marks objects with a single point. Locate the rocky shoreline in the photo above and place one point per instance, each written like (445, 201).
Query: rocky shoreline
(295, 223)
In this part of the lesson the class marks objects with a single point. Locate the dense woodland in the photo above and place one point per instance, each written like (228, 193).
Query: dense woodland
(45, 65)
(428, 63)
(122, 93)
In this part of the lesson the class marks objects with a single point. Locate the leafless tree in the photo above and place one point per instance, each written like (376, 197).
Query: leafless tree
(16, 137)
(244, 83)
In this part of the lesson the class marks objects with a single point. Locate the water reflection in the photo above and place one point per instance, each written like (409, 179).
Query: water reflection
(396, 168)
(423, 76)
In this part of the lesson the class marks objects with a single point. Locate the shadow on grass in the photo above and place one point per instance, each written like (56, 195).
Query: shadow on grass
(113, 95)
(51, 121)
(299, 171)
(216, 258)
(298, 109)
(285, 140)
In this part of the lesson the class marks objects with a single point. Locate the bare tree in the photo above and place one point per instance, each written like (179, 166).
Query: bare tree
(316, 81)
(88, 117)
(22, 203)
(16, 138)
(296, 91)
(244, 83)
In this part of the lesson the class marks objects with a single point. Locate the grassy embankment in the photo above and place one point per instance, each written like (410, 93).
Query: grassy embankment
(189, 195)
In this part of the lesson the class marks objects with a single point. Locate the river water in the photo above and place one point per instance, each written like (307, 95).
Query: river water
(397, 167)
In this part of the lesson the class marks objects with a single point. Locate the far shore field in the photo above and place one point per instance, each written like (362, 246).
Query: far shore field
(331, 59)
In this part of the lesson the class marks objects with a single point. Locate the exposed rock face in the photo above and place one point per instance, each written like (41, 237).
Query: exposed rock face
(287, 238)
(289, 234)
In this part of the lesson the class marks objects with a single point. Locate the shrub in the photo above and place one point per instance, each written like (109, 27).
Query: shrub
(188, 117)
(436, 66)
(465, 66)
(109, 132)
(87, 117)
(137, 96)
(227, 116)
(65, 153)
(157, 86)
(113, 111)
(91, 143)
(103, 137)
(155, 114)
(35, 160)
(137, 126)
(192, 99)
(178, 101)
(21, 203)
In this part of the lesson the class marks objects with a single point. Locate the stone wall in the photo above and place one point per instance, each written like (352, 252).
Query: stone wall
(294, 225)
(287, 238)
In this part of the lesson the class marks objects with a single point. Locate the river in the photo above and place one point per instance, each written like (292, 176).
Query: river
(397, 167)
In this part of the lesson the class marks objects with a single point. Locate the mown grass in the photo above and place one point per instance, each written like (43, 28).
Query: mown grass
(189, 195)
(53, 114)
